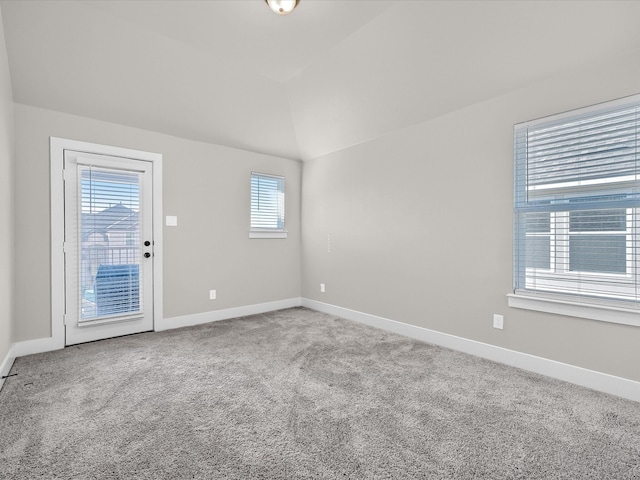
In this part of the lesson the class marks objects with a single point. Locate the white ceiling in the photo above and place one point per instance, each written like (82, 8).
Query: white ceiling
(332, 74)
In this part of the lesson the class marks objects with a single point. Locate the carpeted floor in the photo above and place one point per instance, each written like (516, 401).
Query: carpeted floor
(300, 394)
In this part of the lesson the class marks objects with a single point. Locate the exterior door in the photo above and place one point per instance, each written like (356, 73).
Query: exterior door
(108, 246)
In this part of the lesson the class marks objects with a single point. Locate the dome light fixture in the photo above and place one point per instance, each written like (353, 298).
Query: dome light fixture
(282, 7)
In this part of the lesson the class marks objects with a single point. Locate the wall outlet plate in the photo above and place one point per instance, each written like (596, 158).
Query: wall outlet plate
(212, 294)
(322, 289)
(498, 321)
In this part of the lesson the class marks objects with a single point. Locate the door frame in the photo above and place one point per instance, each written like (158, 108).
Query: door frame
(57, 149)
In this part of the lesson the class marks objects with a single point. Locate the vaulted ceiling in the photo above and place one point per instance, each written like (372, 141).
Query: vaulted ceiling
(332, 74)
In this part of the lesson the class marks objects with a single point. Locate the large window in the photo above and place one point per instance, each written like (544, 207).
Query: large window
(267, 206)
(577, 195)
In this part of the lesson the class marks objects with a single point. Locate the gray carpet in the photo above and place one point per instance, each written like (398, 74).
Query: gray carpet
(300, 394)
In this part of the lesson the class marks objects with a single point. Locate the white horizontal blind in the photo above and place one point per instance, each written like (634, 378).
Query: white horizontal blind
(576, 204)
(267, 203)
(109, 242)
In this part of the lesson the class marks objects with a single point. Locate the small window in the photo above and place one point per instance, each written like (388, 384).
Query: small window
(267, 206)
(577, 199)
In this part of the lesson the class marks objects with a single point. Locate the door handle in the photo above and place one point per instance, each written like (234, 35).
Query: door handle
(147, 243)
(147, 254)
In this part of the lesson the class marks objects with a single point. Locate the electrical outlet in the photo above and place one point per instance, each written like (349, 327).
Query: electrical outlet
(498, 321)
(212, 294)
(322, 288)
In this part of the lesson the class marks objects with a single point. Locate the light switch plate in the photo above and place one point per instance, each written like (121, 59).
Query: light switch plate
(171, 221)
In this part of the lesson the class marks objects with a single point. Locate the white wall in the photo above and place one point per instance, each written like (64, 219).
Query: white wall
(205, 185)
(420, 222)
(6, 201)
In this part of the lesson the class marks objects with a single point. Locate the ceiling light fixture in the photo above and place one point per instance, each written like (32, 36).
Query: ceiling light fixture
(282, 7)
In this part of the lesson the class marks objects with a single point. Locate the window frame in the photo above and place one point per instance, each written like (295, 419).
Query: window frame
(617, 304)
(268, 232)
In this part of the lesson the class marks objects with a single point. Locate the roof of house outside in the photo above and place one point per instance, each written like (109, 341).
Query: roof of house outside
(115, 218)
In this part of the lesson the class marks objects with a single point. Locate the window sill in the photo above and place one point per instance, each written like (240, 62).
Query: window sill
(601, 312)
(255, 234)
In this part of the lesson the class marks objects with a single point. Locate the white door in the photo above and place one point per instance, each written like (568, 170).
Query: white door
(108, 246)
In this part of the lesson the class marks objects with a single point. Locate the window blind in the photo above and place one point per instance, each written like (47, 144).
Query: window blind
(109, 242)
(576, 203)
(267, 203)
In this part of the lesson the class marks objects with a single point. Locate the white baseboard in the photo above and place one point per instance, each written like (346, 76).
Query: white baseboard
(39, 345)
(603, 382)
(6, 364)
(216, 315)
(592, 379)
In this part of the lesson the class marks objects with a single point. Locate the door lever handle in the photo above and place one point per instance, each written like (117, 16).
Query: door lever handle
(147, 254)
